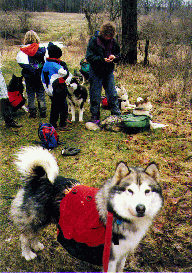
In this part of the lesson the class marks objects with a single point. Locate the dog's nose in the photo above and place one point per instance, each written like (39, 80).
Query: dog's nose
(140, 210)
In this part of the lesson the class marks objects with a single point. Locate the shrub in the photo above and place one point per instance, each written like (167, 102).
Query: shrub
(14, 24)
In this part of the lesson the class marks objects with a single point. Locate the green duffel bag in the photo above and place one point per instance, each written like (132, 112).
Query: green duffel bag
(134, 124)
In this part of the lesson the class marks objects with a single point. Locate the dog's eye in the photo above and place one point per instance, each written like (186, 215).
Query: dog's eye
(147, 191)
(129, 190)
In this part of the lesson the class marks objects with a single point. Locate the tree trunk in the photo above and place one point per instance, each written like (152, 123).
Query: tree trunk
(146, 52)
(129, 31)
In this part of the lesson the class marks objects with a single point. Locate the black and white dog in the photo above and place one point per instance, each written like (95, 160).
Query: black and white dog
(121, 210)
(90, 221)
(15, 93)
(76, 97)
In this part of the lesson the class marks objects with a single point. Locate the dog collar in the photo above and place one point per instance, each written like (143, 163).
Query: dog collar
(119, 222)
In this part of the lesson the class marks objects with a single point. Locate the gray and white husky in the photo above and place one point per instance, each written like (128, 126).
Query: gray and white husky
(133, 195)
(76, 97)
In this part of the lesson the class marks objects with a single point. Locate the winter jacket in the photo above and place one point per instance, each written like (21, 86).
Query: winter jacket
(31, 59)
(97, 50)
(53, 69)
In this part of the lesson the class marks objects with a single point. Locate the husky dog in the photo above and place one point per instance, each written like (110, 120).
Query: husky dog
(36, 204)
(77, 96)
(143, 107)
(15, 93)
(124, 100)
(132, 196)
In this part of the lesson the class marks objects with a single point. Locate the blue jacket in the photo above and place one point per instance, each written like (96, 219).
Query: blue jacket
(53, 69)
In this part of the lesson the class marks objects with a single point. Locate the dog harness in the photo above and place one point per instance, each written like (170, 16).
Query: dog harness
(81, 231)
(16, 99)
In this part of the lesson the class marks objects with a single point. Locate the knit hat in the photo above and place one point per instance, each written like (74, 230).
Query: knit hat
(54, 51)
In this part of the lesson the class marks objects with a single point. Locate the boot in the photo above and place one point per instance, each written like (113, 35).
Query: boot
(42, 111)
(13, 124)
(32, 113)
(114, 106)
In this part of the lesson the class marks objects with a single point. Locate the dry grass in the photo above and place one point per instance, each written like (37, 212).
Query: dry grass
(167, 246)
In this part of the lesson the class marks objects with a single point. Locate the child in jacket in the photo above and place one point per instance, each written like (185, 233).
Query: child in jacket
(31, 58)
(54, 74)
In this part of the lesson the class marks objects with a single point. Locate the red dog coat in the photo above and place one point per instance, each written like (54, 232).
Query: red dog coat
(79, 218)
(80, 231)
(16, 99)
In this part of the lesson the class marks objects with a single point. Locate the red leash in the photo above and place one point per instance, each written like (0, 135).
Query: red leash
(108, 237)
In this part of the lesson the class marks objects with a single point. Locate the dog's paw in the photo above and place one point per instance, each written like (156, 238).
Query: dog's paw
(38, 246)
(29, 255)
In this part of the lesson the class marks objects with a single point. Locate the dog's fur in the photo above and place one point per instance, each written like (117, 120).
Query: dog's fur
(125, 105)
(133, 195)
(15, 85)
(143, 107)
(76, 97)
(37, 203)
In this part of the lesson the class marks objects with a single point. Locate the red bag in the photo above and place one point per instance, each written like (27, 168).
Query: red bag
(105, 103)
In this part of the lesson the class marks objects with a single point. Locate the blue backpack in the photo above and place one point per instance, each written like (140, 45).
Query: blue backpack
(48, 135)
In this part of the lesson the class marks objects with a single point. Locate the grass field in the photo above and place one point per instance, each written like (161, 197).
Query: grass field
(167, 246)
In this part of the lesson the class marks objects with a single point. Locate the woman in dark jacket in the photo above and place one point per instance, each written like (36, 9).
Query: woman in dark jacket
(102, 53)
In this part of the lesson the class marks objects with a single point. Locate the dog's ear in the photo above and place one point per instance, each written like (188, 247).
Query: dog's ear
(146, 99)
(153, 171)
(121, 171)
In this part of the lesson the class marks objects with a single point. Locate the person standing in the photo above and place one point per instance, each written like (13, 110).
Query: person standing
(31, 58)
(54, 74)
(102, 53)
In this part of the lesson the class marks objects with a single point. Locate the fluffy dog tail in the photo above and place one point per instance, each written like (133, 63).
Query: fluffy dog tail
(36, 161)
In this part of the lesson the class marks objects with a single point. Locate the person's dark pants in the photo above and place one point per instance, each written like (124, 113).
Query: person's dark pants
(108, 84)
(6, 111)
(59, 107)
(34, 88)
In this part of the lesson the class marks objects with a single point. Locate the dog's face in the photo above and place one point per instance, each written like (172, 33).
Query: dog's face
(144, 105)
(74, 83)
(79, 91)
(16, 84)
(121, 91)
(136, 192)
